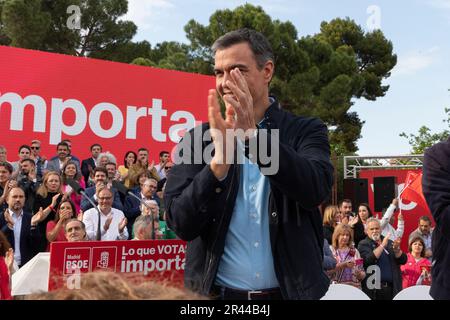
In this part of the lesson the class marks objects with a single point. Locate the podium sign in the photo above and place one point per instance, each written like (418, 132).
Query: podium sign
(158, 259)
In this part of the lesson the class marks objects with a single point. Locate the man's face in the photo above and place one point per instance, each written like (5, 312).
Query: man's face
(99, 177)
(241, 56)
(24, 153)
(4, 175)
(96, 150)
(26, 167)
(16, 199)
(143, 156)
(63, 152)
(374, 230)
(168, 167)
(346, 208)
(2, 155)
(74, 231)
(149, 188)
(35, 149)
(164, 158)
(111, 170)
(105, 200)
(425, 227)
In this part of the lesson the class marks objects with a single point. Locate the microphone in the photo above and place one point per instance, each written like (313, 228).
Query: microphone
(79, 190)
(123, 190)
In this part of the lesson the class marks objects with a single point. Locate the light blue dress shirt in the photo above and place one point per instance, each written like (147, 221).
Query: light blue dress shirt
(247, 262)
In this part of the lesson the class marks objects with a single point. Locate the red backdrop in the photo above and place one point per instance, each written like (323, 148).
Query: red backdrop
(121, 106)
(411, 212)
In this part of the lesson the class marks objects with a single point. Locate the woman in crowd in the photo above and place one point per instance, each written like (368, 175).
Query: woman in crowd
(349, 265)
(6, 267)
(104, 158)
(416, 271)
(359, 224)
(55, 228)
(48, 197)
(70, 171)
(330, 221)
(129, 159)
(6, 183)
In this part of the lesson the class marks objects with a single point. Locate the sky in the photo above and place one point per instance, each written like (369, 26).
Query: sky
(419, 30)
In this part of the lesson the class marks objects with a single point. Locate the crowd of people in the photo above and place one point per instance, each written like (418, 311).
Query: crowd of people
(359, 241)
(40, 201)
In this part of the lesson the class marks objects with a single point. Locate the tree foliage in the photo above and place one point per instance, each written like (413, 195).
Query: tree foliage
(42, 25)
(425, 138)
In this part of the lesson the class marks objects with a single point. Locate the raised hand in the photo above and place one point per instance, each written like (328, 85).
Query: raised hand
(55, 199)
(38, 217)
(9, 259)
(107, 222)
(122, 224)
(396, 244)
(386, 240)
(9, 220)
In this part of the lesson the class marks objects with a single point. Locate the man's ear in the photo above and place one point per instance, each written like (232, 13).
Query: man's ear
(269, 69)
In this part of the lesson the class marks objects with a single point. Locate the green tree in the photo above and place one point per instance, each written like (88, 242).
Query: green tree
(317, 75)
(425, 138)
(42, 25)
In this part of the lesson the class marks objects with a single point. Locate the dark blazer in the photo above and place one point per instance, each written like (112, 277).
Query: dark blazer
(90, 192)
(199, 207)
(436, 189)
(53, 164)
(29, 238)
(366, 248)
(85, 164)
(132, 208)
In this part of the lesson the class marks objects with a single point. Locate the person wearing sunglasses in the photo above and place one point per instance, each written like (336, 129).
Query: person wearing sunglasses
(40, 161)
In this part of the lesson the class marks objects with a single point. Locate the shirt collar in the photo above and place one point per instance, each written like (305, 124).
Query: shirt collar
(13, 214)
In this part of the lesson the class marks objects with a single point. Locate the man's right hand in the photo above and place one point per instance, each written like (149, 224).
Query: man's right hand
(386, 240)
(219, 127)
(395, 202)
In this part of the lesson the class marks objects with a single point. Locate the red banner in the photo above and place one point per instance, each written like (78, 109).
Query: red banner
(123, 107)
(158, 259)
(411, 210)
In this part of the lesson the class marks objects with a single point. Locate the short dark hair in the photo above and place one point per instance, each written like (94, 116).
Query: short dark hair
(142, 149)
(163, 153)
(64, 144)
(344, 200)
(28, 160)
(96, 145)
(7, 166)
(101, 169)
(258, 43)
(425, 218)
(24, 146)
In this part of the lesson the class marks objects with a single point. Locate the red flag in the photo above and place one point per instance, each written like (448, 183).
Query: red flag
(413, 189)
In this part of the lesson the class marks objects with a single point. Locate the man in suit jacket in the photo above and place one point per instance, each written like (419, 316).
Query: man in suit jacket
(100, 179)
(88, 165)
(57, 163)
(20, 228)
(377, 250)
(436, 189)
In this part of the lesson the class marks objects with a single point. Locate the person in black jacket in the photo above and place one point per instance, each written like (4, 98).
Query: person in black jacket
(386, 256)
(18, 224)
(436, 189)
(253, 226)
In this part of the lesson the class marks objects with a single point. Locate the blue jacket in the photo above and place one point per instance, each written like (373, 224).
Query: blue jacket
(199, 206)
(436, 189)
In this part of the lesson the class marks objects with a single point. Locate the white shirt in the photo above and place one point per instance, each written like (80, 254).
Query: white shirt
(17, 231)
(161, 171)
(90, 219)
(386, 227)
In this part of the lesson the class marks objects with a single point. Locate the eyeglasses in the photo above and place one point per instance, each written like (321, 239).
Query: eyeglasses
(104, 198)
(35, 148)
(167, 168)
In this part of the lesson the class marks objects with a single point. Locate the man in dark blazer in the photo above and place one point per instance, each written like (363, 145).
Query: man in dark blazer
(436, 189)
(100, 177)
(379, 251)
(20, 228)
(88, 165)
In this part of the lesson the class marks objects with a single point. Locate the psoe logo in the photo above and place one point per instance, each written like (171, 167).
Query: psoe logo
(104, 258)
